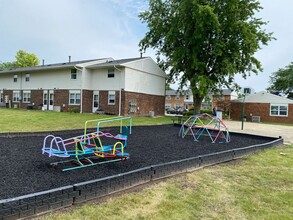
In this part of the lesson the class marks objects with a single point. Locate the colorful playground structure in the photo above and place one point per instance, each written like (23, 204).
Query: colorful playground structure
(205, 125)
(91, 148)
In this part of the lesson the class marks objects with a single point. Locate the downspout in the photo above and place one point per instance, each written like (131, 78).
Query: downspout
(81, 90)
(120, 92)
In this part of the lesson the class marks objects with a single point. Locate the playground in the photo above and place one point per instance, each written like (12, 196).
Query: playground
(26, 170)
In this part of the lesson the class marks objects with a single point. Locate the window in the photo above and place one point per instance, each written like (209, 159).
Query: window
(111, 97)
(186, 97)
(279, 110)
(16, 96)
(167, 106)
(15, 76)
(26, 96)
(73, 74)
(168, 97)
(27, 77)
(247, 90)
(177, 97)
(111, 73)
(74, 97)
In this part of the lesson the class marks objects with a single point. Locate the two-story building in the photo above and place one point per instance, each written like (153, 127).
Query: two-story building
(134, 86)
(222, 100)
(184, 100)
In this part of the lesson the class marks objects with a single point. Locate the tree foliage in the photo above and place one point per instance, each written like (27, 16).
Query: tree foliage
(282, 81)
(23, 59)
(7, 65)
(204, 43)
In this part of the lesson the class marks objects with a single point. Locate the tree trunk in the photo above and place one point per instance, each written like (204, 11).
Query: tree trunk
(197, 100)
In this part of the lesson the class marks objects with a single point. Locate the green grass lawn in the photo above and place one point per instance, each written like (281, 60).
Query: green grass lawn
(257, 187)
(19, 120)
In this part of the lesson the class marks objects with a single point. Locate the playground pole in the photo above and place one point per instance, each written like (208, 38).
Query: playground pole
(243, 105)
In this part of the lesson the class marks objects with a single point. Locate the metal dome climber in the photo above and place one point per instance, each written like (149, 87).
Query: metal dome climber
(205, 124)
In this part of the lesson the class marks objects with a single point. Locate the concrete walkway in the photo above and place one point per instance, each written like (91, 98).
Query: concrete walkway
(262, 129)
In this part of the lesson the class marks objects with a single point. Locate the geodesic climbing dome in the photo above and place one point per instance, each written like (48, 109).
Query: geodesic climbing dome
(205, 125)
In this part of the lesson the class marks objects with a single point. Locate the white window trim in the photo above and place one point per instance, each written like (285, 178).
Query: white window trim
(168, 97)
(278, 115)
(23, 96)
(27, 77)
(16, 96)
(111, 73)
(73, 73)
(75, 93)
(110, 93)
(15, 78)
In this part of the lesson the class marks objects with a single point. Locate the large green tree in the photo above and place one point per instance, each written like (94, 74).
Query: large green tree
(281, 81)
(24, 59)
(204, 43)
(7, 65)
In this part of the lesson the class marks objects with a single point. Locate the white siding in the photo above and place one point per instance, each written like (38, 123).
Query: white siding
(146, 65)
(100, 80)
(142, 82)
(50, 79)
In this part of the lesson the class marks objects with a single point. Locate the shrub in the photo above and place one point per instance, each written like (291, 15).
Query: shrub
(73, 110)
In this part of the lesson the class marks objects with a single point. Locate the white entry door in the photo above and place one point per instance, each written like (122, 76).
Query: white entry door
(45, 100)
(51, 100)
(96, 102)
(48, 99)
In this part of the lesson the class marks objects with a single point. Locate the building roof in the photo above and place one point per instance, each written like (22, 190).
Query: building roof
(101, 63)
(111, 63)
(175, 92)
(264, 97)
(48, 66)
(224, 92)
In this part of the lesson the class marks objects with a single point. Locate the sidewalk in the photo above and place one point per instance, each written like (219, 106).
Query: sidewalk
(262, 129)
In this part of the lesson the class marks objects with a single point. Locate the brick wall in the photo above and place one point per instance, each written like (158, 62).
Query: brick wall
(109, 108)
(37, 98)
(222, 103)
(87, 101)
(144, 104)
(173, 101)
(259, 109)
(61, 98)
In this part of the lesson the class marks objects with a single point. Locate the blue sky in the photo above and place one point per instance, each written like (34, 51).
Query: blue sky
(88, 29)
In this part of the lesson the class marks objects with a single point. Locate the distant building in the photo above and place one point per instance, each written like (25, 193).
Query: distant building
(264, 107)
(222, 100)
(175, 99)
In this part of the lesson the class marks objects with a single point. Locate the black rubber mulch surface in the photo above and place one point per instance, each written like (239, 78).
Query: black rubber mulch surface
(25, 170)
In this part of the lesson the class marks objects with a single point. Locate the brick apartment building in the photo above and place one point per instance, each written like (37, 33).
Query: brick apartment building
(134, 86)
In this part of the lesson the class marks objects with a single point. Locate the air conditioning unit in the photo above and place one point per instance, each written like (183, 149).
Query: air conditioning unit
(255, 119)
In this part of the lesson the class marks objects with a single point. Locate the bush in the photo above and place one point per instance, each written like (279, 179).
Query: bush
(191, 112)
(73, 110)
(207, 111)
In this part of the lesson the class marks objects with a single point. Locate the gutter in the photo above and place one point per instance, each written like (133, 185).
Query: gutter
(120, 92)
(81, 90)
